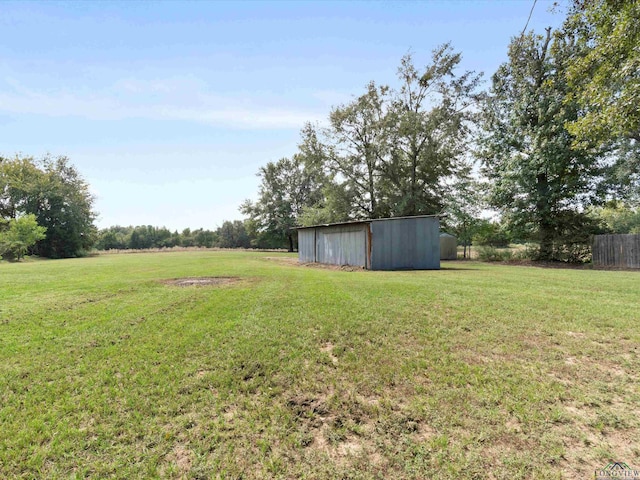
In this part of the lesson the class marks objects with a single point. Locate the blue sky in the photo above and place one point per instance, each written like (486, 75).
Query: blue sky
(168, 109)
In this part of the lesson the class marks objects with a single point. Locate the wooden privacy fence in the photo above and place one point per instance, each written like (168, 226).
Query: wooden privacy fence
(616, 250)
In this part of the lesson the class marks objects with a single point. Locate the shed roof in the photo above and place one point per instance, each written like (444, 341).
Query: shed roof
(355, 222)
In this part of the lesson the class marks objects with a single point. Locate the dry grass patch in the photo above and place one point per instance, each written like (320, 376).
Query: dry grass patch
(201, 281)
(293, 261)
(178, 462)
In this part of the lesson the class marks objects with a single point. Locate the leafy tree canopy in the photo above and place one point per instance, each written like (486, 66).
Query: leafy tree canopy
(606, 77)
(540, 180)
(393, 152)
(616, 217)
(432, 114)
(56, 194)
(287, 187)
(233, 234)
(20, 234)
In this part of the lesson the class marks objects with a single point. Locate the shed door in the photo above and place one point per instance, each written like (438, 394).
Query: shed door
(346, 246)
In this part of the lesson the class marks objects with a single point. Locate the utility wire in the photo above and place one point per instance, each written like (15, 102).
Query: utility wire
(528, 19)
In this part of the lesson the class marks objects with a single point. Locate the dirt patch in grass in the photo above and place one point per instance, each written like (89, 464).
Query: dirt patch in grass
(178, 462)
(311, 409)
(353, 431)
(328, 349)
(344, 268)
(201, 281)
(287, 260)
(296, 263)
(590, 445)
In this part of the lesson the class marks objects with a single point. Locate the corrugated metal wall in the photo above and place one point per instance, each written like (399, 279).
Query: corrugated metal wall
(307, 245)
(335, 245)
(407, 243)
(342, 245)
(385, 244)
(621, 250)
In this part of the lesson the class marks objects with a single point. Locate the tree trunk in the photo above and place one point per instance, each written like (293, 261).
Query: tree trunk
(546, 240)
(545, 222)
(413, 184)
(374, 203)
(290, 242)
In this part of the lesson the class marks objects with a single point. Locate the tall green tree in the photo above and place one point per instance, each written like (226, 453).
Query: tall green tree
(205, 238)
(540, 181)
(287, 187)
(336, 205)
(432, 117)
(394, 152)
(66, 210)
(356, 144)
(337, 200)
(605, 80)
(54, 191)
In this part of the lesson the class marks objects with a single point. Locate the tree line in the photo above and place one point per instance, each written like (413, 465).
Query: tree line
(232, 234)
(551, 146)
(46, 209)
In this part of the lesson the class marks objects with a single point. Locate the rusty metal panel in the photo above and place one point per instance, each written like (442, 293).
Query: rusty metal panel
(307, 245)
(406, 243)
(342, 245)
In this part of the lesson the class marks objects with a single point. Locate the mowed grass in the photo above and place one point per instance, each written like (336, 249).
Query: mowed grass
(474, 371)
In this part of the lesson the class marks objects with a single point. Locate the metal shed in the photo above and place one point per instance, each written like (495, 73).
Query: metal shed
(411, 243)
(448, 247)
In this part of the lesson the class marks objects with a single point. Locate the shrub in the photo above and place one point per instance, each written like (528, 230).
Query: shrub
(492, 235)
(529, 252)
(492, 254)
(23, 232)
(572, 243)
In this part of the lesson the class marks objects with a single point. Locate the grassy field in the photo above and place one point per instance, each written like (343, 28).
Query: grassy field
(474, 371)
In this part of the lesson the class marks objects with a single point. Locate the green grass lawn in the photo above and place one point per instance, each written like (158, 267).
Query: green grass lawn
(473, 371)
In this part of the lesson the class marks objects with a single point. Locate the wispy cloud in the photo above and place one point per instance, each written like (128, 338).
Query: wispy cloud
(242, 118)
(173, 100)
(333, 98)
